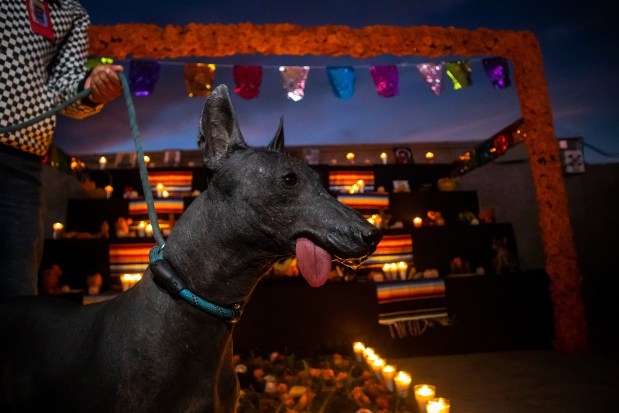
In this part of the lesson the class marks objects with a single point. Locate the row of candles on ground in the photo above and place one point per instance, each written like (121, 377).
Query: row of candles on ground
(400, 381)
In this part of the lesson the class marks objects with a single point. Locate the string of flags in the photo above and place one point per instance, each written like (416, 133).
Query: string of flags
(200, 77)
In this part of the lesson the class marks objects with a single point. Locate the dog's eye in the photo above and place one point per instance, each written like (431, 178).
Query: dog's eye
(290, 179)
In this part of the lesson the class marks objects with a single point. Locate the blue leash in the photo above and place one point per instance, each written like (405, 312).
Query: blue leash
(162, 271)
(157, 251)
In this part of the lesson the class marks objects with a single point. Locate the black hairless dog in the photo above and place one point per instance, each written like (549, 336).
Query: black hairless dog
(149, 351)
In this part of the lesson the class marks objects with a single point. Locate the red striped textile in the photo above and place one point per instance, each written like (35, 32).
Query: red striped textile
(162, 206)
(178, 184)
(392, 248)
(365, 201)
(408, 308)
(341, 181)
(129, 258)
(387, 293)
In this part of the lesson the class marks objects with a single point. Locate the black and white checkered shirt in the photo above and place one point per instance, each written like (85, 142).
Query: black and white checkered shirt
(37, 74)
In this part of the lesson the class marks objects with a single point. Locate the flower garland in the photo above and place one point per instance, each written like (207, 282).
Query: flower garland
(328, 384)
(217, 40)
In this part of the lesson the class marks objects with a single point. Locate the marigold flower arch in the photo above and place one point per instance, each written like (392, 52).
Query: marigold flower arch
(216, 40)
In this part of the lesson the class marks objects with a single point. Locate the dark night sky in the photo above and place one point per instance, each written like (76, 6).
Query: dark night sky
(578, 39)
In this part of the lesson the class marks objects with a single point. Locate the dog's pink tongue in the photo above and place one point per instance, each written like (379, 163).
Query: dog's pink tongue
(313, 262)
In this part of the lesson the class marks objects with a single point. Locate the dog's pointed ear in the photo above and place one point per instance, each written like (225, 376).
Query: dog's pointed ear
(277, 143)
(219, 133)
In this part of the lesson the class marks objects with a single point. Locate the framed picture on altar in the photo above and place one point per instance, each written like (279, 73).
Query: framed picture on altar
(125, 160)
(401, 186)
(172, 157)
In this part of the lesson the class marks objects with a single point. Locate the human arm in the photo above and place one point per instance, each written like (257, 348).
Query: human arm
(68, 74)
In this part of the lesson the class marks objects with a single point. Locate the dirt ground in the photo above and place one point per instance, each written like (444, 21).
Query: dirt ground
(521, 382)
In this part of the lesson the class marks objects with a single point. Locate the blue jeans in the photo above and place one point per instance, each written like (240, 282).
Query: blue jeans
(21, 223)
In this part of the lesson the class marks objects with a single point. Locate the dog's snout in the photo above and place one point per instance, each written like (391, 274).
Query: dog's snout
(372, 236)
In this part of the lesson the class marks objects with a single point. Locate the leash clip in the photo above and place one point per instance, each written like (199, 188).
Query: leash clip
(166, 277)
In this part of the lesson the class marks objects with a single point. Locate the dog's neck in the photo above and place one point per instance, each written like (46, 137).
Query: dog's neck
(218, 257)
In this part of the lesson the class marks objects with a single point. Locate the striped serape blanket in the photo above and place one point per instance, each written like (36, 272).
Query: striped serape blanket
(178, 184)
(365, 201)
(162, 206)
(408, 308)
(128, 258)
(342, 181)
(392, 248)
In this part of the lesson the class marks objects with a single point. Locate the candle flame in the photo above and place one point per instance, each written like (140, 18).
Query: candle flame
(403, 377)
(131, 277)
(425, 390)
(438, 405)
(388, 369)
(378, 362)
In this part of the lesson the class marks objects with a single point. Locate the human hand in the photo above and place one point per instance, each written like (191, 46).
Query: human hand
(104, 83)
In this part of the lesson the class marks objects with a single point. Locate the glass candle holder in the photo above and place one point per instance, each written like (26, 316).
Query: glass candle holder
(423, 394)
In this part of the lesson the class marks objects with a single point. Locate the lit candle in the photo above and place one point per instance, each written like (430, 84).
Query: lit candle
(387, 270)
(354, 189)
(438, 405)
(378, 220)
(402, 383)
(369, 355)
(102, 162)
(58, 227)
(108, 191)
(402, 267)
(430, 157)
(388, 374)
(361, 185)
(358, 348)
(149, 230)
(371, 220)
(351, 157)
(165, 194)
(159, 189)
(141, 229)
(383, 157)
(146, 159)
(129, 280)
(424, 393)
(417, 222)
(377, 366)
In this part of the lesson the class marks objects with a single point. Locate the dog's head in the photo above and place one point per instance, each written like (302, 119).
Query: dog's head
(277, 202)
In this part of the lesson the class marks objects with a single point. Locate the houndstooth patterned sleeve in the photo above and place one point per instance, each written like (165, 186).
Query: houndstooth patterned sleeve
(37, 74)
(69, 68)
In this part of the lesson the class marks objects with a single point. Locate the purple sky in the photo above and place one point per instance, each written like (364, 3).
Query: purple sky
(579, 43)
